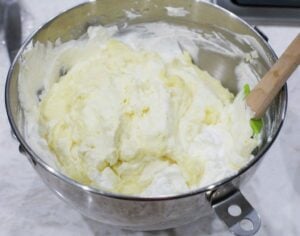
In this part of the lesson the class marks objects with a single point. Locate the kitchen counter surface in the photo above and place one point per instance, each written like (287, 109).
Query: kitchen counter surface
(27, 207)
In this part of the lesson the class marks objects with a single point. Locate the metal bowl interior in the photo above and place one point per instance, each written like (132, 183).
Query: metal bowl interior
(207, 17)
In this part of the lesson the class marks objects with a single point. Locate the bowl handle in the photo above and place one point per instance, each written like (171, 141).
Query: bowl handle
(23, 151)
(236, 212)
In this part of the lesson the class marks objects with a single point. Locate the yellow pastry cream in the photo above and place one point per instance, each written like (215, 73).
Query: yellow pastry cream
(128, 121)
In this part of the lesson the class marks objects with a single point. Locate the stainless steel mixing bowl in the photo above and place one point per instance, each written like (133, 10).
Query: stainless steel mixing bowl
(141, 213)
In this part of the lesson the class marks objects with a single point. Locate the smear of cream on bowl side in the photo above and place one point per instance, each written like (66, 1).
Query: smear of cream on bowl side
(176, 11)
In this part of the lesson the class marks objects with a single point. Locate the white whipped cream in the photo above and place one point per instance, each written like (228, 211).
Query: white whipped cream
(130, 113)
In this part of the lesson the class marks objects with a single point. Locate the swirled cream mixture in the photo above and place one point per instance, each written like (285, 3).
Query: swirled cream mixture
(130, 120)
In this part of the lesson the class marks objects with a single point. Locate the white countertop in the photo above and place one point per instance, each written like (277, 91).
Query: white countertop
(27, 207)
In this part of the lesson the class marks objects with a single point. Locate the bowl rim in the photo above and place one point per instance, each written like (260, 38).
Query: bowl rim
(208, 188)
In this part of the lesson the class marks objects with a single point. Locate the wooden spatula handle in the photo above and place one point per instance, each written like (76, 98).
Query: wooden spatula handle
(265, 91)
